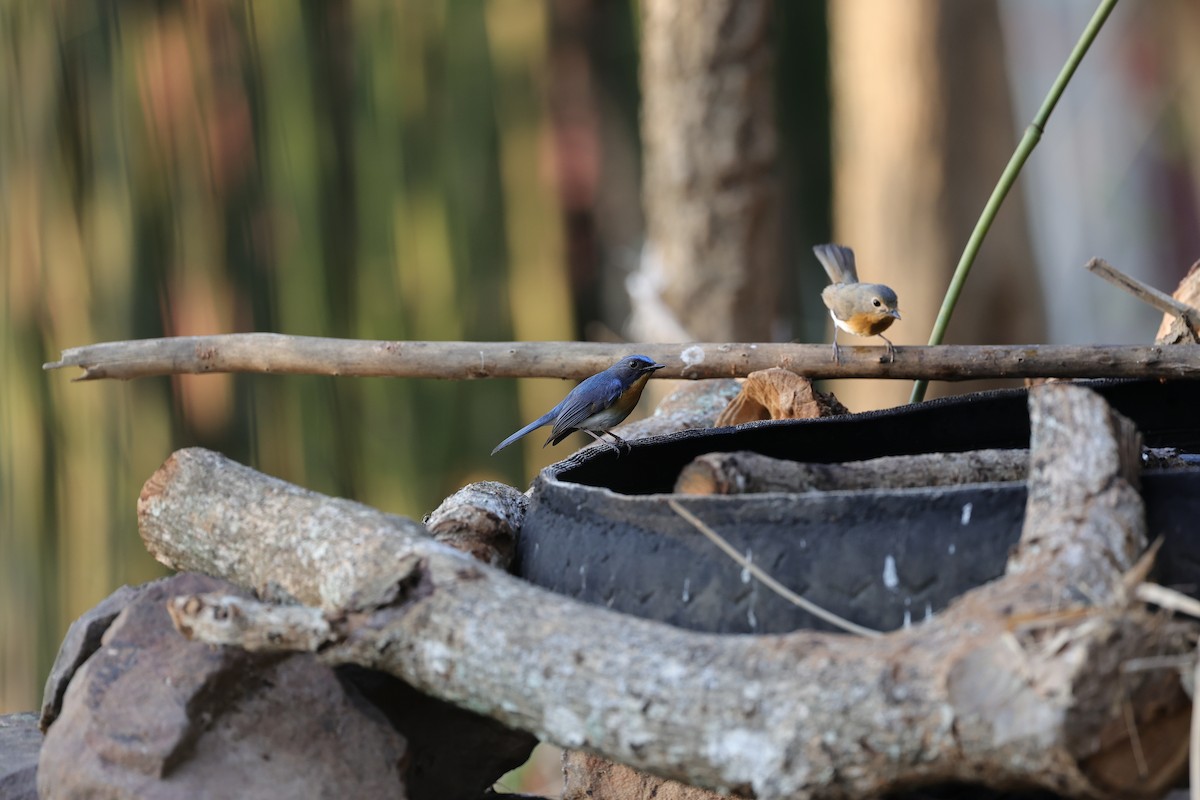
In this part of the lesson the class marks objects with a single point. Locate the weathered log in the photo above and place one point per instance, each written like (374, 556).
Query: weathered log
(1017, 683)
(747, 473)
(482, 520)
(1175, 328)
(308, 355)
(778, 394)
(319, 550)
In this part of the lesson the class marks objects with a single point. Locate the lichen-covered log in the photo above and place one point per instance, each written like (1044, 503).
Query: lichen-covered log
(1018, 683)
(481, 519)
(319, 550)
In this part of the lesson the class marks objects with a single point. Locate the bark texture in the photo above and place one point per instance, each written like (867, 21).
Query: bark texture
(778, 394)
(482, 520)
(331, 552)
(1019, 683)
(710, 144)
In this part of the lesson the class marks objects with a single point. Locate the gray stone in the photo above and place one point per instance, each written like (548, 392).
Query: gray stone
(20, 741)
(82, 639)
(152, 715)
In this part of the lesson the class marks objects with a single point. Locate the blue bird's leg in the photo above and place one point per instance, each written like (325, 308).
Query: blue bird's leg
(604, 441)
(621, 442)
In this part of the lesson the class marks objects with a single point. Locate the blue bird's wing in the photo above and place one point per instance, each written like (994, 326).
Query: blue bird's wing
(589, 398)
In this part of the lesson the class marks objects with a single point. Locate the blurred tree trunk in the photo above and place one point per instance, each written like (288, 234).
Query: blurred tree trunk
(709, 189)
(1175, 27)
(922, 130)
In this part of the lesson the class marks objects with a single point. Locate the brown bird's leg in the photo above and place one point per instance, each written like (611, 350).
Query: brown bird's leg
(891, 349)
(837, 357)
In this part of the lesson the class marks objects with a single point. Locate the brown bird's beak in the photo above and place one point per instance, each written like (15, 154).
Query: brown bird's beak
(895, 312)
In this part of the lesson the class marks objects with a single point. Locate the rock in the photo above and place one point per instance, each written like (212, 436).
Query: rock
(82, 639)
(152, 715)
(20, 741)
(452, 752)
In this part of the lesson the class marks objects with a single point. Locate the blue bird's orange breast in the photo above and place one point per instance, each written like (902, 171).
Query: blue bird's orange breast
(620, 408)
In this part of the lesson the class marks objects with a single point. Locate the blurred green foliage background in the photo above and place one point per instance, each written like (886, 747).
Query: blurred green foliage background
(405, 169)
(470, 170)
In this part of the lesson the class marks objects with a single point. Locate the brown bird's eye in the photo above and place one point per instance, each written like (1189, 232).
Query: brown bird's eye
(876, 302)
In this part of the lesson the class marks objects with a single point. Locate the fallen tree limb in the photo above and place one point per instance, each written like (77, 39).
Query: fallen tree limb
(277, 353)
(748, 473)
(286, 541)
(1018, 683)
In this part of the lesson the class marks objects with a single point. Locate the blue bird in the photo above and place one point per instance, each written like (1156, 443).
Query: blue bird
(596, 405)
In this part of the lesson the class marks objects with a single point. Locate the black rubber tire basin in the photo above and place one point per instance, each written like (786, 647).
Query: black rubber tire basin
(599, 528)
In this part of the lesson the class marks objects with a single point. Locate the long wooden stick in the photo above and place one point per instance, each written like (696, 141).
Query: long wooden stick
(278, 353)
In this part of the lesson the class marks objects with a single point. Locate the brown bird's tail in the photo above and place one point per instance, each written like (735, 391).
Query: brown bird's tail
(838, 262)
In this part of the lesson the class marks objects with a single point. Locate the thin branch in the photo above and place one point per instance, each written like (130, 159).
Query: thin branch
(1146, 293)
(772, 584)
(305, 355)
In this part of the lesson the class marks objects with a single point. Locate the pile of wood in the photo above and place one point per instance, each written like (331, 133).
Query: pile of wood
(1020, 683)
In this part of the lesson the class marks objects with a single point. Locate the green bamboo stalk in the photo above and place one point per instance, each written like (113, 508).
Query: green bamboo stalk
(1033, 135)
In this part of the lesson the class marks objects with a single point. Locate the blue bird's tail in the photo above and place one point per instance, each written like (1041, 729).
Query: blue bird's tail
(545, 419)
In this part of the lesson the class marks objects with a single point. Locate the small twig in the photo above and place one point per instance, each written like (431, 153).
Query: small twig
(1135, 740)
(772, 584)
(1147, 294)
(1136, 575)
(1169, 599)
(1179, 662)
(1177, 601)
(1194, 744)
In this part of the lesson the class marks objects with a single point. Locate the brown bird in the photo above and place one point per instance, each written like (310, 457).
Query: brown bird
(864, 309)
